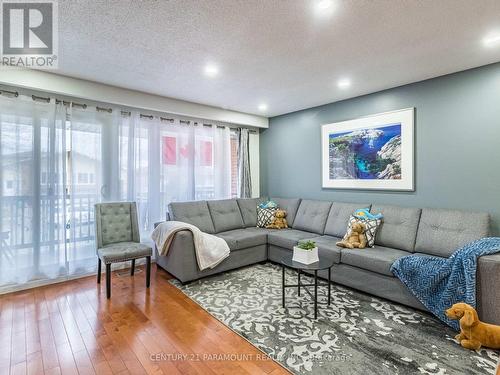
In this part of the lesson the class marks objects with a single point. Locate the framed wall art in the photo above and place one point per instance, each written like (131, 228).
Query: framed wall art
(373, 152)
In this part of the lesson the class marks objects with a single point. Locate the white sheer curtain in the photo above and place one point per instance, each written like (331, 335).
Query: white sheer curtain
(165, 160)
(50, 179)
(88, 181)
(32, 193)
(58, 160)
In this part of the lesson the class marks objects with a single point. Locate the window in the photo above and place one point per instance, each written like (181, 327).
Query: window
(60, 166)
(169, 150)
(206, 151)
(83, 178)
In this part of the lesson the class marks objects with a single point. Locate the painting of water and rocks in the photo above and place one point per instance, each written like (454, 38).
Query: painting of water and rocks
(366, 154)
(370, 152)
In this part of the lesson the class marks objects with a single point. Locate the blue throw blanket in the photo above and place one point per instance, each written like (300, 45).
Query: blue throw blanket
(439, 282)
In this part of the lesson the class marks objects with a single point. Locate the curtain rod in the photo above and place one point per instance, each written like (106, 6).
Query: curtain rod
(101, 109)
(13, 93)
(123, 113)
(40, 99)
(64, 102)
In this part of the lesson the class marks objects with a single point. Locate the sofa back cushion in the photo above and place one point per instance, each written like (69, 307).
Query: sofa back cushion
(248, 209)
(441, 232)
(195, 213)
(225, 214)
(311, 216)
(399, 226)
(338, 217)
(290, 205)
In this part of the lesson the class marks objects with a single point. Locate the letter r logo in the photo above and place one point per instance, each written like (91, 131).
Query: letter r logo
(27, 28)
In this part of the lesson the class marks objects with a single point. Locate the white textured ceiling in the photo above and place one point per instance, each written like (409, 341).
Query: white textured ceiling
(274, 51)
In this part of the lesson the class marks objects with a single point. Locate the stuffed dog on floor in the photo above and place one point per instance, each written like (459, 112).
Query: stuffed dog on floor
(473, 333)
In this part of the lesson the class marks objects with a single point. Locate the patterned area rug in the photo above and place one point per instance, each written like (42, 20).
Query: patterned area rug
(356, 334)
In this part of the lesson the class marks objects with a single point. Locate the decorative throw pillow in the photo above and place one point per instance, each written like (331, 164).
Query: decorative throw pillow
(265, 216)
(371, 226)
(268, 204)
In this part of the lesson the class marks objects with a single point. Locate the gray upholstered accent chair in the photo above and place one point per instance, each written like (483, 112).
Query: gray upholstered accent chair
(118, 240)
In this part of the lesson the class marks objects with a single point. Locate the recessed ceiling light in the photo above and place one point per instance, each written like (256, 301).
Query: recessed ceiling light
(344, 83)
(324, 4)
(211, 70)
(492, 40)
(262, 107)
(323, 8)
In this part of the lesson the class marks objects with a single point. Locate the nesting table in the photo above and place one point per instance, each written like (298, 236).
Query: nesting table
(323, 264)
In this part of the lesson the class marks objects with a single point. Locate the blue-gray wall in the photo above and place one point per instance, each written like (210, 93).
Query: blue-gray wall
(457, 144)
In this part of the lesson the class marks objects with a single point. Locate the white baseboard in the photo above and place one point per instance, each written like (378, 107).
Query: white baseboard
(11, 288)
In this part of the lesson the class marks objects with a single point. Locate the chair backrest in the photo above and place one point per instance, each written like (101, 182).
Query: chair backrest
(116, 222)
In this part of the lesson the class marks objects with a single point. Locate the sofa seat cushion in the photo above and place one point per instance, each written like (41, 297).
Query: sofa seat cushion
(288, 238)
(225, 215)
(238, 239)
(311, 216)
(377, 259)
(122, 251)
(327, 247)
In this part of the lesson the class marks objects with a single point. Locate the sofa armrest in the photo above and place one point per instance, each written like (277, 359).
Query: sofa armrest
(180, 260)
(487, 290)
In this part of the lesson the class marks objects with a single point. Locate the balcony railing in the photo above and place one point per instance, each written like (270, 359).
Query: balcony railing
(76, 224)
(55, 225)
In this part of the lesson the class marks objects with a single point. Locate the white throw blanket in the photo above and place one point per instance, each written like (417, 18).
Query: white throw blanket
(210, 250)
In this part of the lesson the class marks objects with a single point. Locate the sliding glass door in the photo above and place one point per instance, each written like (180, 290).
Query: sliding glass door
(32, 221)
(87, 183)
(50, 179)
(59, 159)
(17, 239)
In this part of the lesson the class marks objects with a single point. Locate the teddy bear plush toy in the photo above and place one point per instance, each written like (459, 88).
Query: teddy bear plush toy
(279, 221)
(356, 238)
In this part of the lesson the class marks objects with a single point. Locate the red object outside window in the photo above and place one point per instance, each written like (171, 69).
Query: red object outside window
(206, 153)
(169, 151)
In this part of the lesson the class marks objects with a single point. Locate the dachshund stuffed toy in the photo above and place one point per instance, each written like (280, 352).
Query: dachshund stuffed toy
(473, 333)
(279, 221)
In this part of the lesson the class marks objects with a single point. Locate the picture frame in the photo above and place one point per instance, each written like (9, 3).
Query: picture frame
(375, 152)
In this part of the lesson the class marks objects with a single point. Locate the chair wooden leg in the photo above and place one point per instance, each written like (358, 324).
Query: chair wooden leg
(108, 281)
(148, 271)
(98, 270)
(132, 268)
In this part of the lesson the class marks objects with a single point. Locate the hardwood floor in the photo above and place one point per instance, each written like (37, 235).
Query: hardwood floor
(71, 328)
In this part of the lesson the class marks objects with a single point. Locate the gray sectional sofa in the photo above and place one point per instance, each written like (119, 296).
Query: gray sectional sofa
(405, 231)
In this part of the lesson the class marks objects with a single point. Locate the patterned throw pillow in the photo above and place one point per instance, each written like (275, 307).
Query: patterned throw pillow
(371, 226)
(265, 216)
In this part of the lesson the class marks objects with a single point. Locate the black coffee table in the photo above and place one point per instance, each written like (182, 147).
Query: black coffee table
(323, 264)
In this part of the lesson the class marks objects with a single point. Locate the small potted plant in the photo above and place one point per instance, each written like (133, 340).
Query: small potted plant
(305, 252)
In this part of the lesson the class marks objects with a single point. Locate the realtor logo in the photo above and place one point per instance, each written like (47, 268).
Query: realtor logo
(29, 34)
